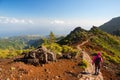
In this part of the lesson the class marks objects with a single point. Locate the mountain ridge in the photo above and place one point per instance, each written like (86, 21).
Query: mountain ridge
(111, 26)
(99, 41)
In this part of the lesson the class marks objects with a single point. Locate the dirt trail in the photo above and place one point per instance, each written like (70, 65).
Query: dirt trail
(90, 68)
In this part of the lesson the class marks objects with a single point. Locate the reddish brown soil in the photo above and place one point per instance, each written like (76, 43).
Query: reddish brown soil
(63, 69)
(110, 72)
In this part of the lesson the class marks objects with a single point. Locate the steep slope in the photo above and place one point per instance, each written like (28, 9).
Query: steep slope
(77, 35)
(111, 26)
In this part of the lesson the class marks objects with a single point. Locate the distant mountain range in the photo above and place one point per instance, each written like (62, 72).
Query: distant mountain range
(20, 42)
(24, 42)
(112, 26)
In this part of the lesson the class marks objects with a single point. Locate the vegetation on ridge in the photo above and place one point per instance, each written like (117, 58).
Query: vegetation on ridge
(108, 44)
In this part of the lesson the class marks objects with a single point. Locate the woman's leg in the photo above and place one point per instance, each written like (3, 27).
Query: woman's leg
(96, 69)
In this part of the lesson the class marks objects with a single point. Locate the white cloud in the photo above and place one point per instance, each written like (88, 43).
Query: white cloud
(30, 21)
(22, 21)
(11, 20)
(57, 22)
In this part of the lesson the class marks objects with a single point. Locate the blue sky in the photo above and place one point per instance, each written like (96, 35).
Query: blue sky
(19, 17)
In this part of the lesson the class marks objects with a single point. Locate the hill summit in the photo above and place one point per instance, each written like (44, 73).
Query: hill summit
(77, 35)
(112, 26)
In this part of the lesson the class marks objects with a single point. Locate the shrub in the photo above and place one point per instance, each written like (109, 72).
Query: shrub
(11, 53)
(67, 49)
(83, 64)
(54, 47)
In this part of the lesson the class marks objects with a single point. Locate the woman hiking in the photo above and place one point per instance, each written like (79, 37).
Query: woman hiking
(97, 61)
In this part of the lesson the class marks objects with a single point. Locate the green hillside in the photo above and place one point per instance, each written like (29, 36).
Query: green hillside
(20, 42)
(108, 44)
(77, 35)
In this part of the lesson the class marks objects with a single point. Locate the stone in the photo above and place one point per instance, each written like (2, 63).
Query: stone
(8, 79)
(33, 61)
(79, 76)
(39, 56)
(57, 77)
(51, 56)
(0, 69)
(67, 56)
(12, 68)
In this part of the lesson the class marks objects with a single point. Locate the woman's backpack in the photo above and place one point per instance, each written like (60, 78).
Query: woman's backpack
(97, 60)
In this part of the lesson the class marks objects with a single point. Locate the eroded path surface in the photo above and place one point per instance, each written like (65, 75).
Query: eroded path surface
(90, 69)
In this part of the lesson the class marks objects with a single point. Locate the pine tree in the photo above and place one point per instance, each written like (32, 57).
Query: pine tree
(45, 41)
(51, 37)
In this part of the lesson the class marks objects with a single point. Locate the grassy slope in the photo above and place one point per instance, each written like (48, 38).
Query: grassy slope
(108, 44)
(101, 41)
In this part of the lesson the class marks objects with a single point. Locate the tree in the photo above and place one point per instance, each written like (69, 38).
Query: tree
(45, 41)
(51, 38)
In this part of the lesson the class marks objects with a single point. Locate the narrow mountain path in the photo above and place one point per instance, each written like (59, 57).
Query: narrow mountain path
(90, 69)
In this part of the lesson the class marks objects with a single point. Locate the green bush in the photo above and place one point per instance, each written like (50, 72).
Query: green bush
(11, 53)
(67, 49)
(83, 64)
(54, 47)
